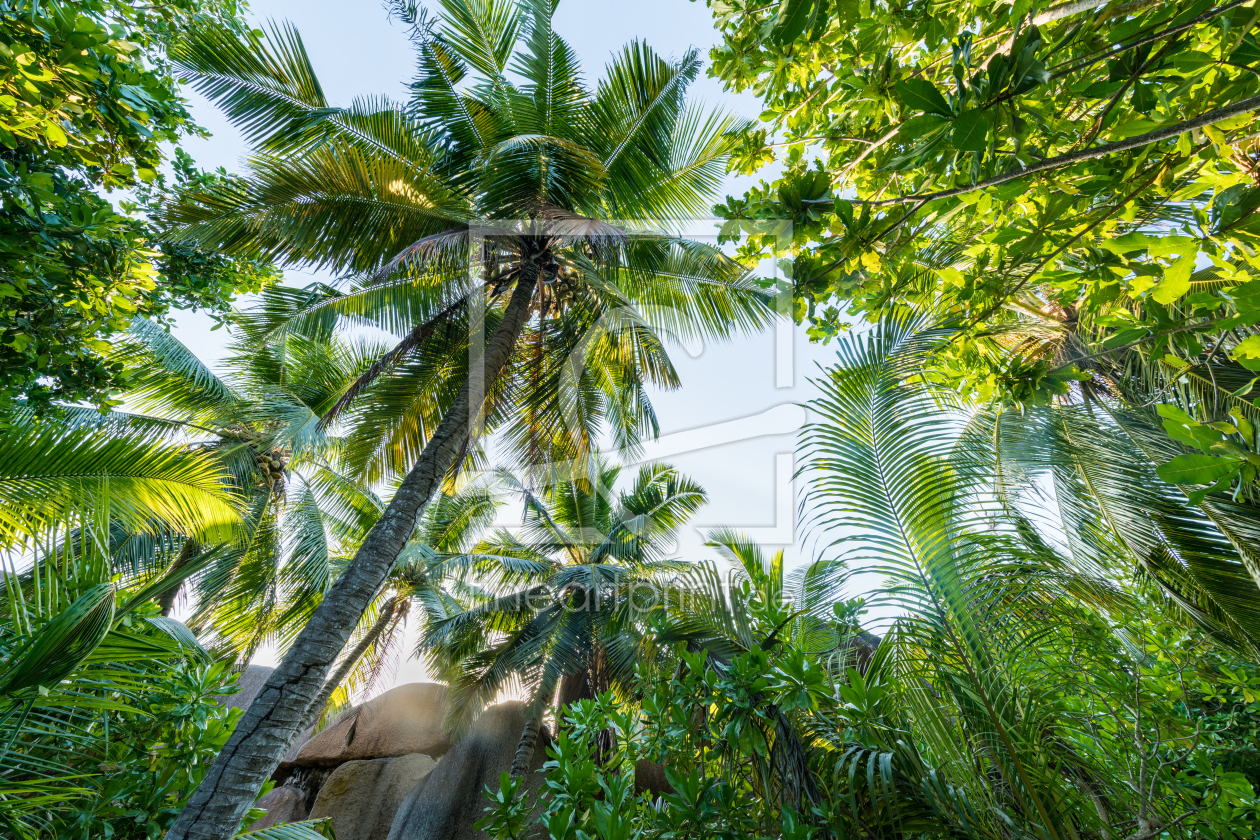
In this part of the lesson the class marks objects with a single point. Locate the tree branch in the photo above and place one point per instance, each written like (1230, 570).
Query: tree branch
(1251, 103)
(1141, 341)
(1076, 7)
(1155, 36)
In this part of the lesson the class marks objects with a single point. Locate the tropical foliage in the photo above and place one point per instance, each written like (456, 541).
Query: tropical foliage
(501, 144)
(259, 417)
(1071, 184)
(1029, 228)
(560, 604)
(80, 641)
(87, 99)
(110, 710)
(507, 225)
(1015, 690)
(872, 766)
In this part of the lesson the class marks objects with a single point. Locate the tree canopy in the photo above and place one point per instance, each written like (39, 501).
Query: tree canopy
(87, 99)
(1073, 184)
(1029, 228)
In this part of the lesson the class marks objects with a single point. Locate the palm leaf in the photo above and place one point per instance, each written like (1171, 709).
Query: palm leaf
(52, 474)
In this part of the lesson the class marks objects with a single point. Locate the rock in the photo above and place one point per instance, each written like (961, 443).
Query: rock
(449, 800)
(249, 683)
(402, 721)
(650, 777)
(284, 805)
(291, 756)
(362, 796)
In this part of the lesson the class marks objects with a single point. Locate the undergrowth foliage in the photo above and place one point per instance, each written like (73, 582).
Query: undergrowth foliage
(1016, 690)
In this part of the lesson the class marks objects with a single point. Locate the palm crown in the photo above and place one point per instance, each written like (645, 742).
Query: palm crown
(497, 201)
(502, 166)
(260, 419)
(562, 602)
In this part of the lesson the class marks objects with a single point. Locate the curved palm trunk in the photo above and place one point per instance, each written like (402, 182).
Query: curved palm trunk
(166, 600)
(525, 748)
(343, 670)
(264, 733)
(573, 687)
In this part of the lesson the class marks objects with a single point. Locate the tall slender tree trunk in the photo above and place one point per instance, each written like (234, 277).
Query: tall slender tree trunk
(573, 687)
(264, 733)
(525, 748)
(347, 665)
(166, 600)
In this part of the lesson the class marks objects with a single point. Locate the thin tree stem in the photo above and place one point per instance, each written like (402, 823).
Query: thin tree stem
(1251, 103)
(525, 748)
(1077, 6)
(166, 600)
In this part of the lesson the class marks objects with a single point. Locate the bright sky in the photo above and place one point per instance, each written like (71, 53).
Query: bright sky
(732, 424)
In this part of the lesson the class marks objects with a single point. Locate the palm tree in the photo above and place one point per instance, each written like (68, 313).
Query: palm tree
(998, 632)
(260, 420)
(562, 605)
(306, 515)
(1101, 440)
(970, 603)
(478, 203)
(1092, 457)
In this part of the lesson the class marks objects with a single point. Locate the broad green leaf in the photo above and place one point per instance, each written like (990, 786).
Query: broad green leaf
(1248, 348)
(791, 20)
(1176, 281)
(1197, 469)
(57, 648)
(1175, 413)
(971, 131)
(922, 95)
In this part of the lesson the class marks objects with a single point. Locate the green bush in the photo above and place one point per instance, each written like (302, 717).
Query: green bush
(144, 759)
(783, 742)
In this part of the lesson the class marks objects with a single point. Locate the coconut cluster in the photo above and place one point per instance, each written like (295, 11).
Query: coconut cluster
(270, 463)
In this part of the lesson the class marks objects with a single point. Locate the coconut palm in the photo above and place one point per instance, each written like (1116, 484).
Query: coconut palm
(563, 602)
(260, 419)
(260, 416)
(305, 515)
(478, 207)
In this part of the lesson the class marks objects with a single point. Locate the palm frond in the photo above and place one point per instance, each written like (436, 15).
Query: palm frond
(52, 474)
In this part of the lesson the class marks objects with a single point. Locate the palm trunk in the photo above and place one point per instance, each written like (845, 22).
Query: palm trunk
(573, 687)
(343, 670)
(525, 748)
(264, 733)
(166, 600)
